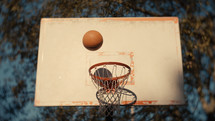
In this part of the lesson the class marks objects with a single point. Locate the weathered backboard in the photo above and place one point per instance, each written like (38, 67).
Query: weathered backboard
(150, 46)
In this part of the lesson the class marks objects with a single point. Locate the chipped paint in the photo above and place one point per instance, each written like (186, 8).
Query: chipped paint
(174, 19)
(131, 54)
(100, 53)
(36, 102)
(121, 53)
(145, 102)
(82, 102)
(131, 82)
(175, 102)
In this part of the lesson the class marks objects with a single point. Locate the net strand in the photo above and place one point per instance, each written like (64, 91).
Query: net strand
(110, 91)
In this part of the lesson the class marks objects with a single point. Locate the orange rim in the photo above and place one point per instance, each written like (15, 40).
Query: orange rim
(109, 63)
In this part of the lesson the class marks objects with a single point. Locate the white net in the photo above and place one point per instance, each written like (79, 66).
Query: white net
(109, 78)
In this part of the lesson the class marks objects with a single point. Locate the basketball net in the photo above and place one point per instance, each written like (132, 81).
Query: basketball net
(109, 78)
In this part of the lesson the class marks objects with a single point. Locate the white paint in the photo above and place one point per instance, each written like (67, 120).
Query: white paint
(63, 62)
(59, 77)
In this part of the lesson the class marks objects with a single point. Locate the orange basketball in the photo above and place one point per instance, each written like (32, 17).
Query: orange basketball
(92, 40)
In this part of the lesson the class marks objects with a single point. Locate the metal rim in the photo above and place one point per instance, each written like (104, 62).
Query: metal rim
(109, 63)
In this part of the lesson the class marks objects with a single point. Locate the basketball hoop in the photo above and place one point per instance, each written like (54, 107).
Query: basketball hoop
(110, 78)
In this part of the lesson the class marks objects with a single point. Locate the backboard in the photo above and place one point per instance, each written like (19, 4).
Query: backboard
(150, 46)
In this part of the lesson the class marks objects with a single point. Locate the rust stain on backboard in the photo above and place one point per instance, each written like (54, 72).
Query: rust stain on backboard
(174, 19)
(100, 53)
(131, 82)
(131, 55)
(82, 102)
(173, 102)
(36, 102)
(145, 102)
(122, 53)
